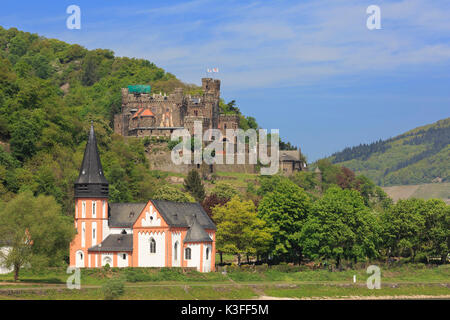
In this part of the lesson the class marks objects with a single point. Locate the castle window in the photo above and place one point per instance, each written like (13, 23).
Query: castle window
(195, 113)
(124, 256)
(207, 253)
(152, 245)
(187, 254)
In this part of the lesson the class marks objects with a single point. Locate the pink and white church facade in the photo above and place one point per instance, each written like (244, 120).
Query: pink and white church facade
(156, 233)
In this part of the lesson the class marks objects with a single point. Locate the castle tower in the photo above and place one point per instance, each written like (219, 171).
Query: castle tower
(91, 206)
(211, 96)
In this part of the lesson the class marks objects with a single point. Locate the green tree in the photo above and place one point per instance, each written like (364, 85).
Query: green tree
(224, 190)
(285, 209)
(404, 227)
(193, 184)
(340, 227)
(35, 230)
(239, 230)
(171, 193)
(437, 226)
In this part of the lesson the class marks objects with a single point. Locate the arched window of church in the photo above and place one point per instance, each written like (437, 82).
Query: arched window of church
(175, 251)
(152, 245)
(187, 254)
(207, 253)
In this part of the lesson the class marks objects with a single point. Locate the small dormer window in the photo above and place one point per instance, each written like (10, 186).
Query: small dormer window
(124, 231)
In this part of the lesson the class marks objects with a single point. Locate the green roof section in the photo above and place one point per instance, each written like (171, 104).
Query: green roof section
(139, 88)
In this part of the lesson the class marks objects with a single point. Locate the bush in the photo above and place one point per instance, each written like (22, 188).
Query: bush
(113, 289)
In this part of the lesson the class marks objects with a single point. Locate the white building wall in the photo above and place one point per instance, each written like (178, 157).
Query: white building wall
(106, 231)
(121, 262)
(207, 262)
(176, 237)
(147, 259)
(195, 256)
(3, 269)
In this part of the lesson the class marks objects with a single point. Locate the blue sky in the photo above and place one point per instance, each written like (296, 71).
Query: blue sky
(309, 68)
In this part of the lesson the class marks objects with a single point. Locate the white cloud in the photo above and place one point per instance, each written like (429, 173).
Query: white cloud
(278, 43)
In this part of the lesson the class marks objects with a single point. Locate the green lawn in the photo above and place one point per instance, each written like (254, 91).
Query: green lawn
(278, 281)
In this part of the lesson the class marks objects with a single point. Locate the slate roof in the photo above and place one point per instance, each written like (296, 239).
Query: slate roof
(91, 180)
(124, 215)
(176, 214)
(179, 214)
(196, 233)
(114, 242)
(91, 170)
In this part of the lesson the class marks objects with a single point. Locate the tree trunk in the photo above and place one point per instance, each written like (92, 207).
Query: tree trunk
(221, 259)
(16, 273)
(239, 259)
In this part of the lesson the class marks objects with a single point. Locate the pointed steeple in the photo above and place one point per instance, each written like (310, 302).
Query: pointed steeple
(91, 182)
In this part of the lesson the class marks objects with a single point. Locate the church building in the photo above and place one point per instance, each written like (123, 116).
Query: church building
(156, 233)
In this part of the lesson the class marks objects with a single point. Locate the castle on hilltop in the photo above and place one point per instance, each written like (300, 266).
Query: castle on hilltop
(145, 114)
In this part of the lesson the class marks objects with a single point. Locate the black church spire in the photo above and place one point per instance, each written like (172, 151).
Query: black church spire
(91, 182)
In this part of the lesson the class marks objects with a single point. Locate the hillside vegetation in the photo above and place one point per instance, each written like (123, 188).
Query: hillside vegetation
(417, 156)
(50, 91)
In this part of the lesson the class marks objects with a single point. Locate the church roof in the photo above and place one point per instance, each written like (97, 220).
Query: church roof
(91, 181)
(179, 214)
(196, 233)
(175, 214)
(124, 215)
(114, 242)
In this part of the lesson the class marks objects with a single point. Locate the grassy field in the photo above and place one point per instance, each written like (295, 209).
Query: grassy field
(276, 282)
(423, 191)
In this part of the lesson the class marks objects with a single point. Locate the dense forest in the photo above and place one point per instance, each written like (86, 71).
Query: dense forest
(417, 156)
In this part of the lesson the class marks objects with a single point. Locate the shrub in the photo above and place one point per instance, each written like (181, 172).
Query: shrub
(113, 289)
